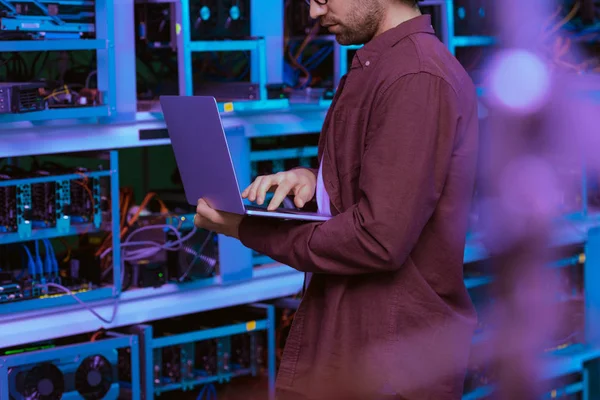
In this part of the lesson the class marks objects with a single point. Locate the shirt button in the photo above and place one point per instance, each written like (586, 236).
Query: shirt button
(368, 63)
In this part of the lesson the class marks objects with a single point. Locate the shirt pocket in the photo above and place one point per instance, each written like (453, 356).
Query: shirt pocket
(348, 131)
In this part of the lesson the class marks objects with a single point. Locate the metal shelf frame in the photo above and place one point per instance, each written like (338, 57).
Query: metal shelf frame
(150, 347)
(263, 46)
(103, 44)
(240, 281)
(64, 227)
(73, 354)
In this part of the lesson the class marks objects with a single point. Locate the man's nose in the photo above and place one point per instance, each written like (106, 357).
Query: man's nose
(317, 10)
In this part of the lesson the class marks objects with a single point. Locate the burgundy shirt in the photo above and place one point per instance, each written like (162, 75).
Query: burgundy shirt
(386, 311)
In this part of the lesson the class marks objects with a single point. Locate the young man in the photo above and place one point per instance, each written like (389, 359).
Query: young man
(386, 314)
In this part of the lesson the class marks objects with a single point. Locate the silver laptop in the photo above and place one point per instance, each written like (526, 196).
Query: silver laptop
(204, 160)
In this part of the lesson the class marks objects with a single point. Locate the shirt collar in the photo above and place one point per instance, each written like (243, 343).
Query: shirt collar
(368, 54)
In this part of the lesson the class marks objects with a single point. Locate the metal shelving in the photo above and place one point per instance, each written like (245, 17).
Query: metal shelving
(103, 44)
(71, 360)
(240, 282)
(257, 320)
(150, 304)
(27, 229)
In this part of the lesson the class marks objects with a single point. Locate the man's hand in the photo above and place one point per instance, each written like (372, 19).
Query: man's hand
(300, 182)
(217, 221)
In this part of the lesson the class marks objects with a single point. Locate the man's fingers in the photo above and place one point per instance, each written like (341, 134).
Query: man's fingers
(282, 190)
(263, 188)
(302, 196)
(253, 188)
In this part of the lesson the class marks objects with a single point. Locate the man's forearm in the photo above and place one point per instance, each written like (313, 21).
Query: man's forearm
(378, 232)
(321, 247)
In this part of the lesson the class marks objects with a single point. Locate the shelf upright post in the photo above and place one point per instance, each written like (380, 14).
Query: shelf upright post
(235, 259)
(182, 32)
(259, 47)
(106, 66)
(591, 292)
(115, 221)
(340, 62)
(117, 62)
(449, 18)
(266, 21)
(592, 287)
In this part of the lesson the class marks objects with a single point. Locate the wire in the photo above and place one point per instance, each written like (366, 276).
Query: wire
(30, 262)
(49, 255)
(196, 256)
(150, 248)
(208, 390)
(53, 256)
(90, 309)
(96, 335)
(38, 259)
(142, 207)
(89, 78)
(566, 19)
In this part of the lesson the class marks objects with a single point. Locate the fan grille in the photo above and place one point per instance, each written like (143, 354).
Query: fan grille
(94, 377)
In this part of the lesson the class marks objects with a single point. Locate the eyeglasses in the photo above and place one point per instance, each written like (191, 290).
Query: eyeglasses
(319, 2)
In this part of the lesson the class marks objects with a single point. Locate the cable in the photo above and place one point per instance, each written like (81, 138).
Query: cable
(38, 259)
(49, 263)
(53, 257)
(213, 391)
(150, 248)
(69, 292)
(173, 245)
(208, 390)
(30, 262)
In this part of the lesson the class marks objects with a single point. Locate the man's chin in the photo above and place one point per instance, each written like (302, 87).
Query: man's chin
(346, 40)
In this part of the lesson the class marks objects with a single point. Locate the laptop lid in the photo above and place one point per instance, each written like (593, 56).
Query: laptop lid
(201, 151)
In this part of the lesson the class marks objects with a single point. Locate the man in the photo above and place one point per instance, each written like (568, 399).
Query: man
(386, 314)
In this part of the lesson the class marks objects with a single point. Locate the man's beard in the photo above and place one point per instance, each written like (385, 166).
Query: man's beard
(347, 37)
(363, 23)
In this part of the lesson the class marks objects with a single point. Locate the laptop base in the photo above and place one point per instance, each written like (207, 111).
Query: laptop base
(285, 213)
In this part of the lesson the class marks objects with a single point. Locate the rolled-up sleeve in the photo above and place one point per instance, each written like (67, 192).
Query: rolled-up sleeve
(408, 150)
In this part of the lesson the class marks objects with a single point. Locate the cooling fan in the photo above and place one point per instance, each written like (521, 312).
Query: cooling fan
(42, 382)
(197, 259)
(94, 377)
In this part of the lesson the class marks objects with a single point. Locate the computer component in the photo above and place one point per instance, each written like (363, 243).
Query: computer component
(50, 196)
(474, 18)
(21, 97)
(43, 200)
(8, 202)
(229, 91)
(57, 19)
(68, 368)
(223, 19)
(46, 254)
(49, 17)
(216, 346)
(197, 259)
(153, 22)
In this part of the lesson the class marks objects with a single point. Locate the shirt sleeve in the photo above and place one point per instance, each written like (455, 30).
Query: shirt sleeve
(408, 148)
